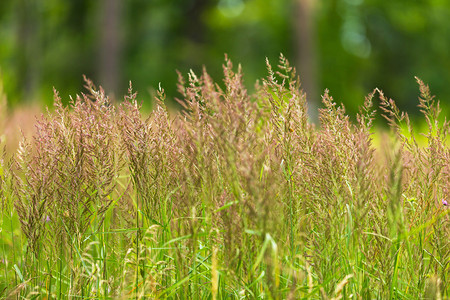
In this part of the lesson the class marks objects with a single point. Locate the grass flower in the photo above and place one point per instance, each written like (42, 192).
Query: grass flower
(238, 195)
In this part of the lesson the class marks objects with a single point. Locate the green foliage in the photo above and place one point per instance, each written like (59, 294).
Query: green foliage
(239, 196)
(385, 44)
(358, 45)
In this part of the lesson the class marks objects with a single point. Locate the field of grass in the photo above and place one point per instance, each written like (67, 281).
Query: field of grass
(237, 197)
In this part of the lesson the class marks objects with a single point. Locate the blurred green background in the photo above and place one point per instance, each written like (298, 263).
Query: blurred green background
(347, 46)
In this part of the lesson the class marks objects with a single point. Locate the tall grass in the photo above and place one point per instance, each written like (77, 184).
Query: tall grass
(238, 196)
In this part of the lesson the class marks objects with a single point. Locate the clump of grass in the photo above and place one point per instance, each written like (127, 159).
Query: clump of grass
(237, 196)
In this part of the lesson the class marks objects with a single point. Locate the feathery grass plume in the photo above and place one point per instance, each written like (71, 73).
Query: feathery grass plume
(31, 200)
(204, 134)
(327, 170)
(425, 184)
(363, 194)
(237, 196)
(288, 130)
(153, 158)
(102, 146)
(363, 188)
(87, 161)
(150, 146)
(438, 160)
(64, 177)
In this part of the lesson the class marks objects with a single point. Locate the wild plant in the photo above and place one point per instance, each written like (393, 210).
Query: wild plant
(64, 178)
(238, 196)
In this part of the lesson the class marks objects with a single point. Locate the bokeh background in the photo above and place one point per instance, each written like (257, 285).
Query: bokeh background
(347, 46)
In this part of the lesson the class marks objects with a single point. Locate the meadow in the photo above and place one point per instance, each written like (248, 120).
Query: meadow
(239, 196)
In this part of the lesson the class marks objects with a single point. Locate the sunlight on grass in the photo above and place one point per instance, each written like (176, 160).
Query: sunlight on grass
(236, 197)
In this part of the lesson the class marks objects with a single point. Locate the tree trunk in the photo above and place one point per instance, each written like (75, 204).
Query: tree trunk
(28, 48)
(110, 47)
(306, 52)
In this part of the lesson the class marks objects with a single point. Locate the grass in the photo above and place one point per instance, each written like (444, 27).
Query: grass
(237, 197)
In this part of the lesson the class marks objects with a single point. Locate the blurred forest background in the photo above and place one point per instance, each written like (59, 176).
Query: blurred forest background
(347, 46)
